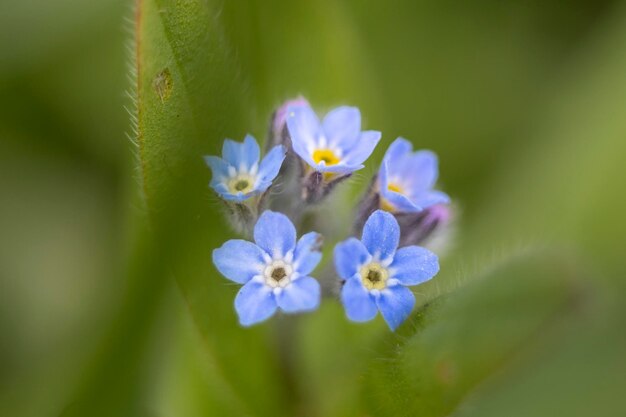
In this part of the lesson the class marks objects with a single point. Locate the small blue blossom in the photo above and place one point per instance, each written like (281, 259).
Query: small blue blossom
(406, 179)
(275, 271)
(238, 175)
(336, 146)
(376, 274)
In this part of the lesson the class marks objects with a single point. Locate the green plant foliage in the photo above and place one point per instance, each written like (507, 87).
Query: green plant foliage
(462, 339)
(110, 304)
(189, 99)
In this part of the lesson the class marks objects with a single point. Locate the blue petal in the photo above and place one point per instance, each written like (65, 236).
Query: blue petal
(225, 193)
(342, 126)
(427, 199)
(220, 188)
(381, 234)
(383, 175)
(270, 165)
(238, 260)
(307, 254)
(275, 234)
(241, 155)
(363, 148)
(219, 169)
(419, 172)
(251, 151)
(303, 294)
(232, 152)
(254, 303)
(261, 186)
(395, 304)
(350, 255)
(304, 128)
(413, 265)
(397, 150)
(340, 168)
(357, 301)
(400, 202)
(239, 197)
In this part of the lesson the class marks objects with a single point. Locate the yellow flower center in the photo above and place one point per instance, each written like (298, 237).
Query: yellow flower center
(395, 187)
(325, 155)
(374, 276)
(384, 203)
(242, 183)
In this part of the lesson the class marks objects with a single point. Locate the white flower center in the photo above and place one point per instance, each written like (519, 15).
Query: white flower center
(374, 276)
(241, 183)
(278, 273)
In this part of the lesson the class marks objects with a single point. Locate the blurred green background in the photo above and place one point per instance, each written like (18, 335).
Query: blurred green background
(109, 304)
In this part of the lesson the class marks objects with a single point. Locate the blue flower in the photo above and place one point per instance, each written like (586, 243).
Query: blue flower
(337, 146)
(376, 274)
(238, 175)
(274, 271)
(406, 179)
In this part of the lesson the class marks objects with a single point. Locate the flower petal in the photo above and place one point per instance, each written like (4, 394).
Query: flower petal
(398, 149)
(238, 260)
(280, 116)
(340, 168)
(219, 169)
(232, 152)
(350, 255)
(357, 301)
(220, 188)
(254, 303)
(419, 171)
(400, 202)
(307, 254)
(413, 265)
(241, 155)
(430, 198)
(363, 148)
(251, 151)
(303, 294)
(395, 304)
(275, 234)
(383, 176)
(342, 127)
(271, 163)
(304, 128)
(381, 234)
(261, 186)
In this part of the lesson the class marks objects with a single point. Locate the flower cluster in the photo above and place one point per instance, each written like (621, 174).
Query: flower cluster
(306, 159)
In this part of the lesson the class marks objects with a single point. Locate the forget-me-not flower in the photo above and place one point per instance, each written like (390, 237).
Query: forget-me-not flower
(336, 146)
(275, 271)
(238, 174)
(406, 179)
(376, 274)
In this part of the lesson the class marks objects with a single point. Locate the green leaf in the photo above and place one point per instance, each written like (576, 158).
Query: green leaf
(190, 98)
(462, 339)
(565, 187)
(576, 369)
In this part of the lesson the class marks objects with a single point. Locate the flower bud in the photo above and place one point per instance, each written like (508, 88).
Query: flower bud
(278, 133)
(242, 215)
(317, 185)
(417, 228)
